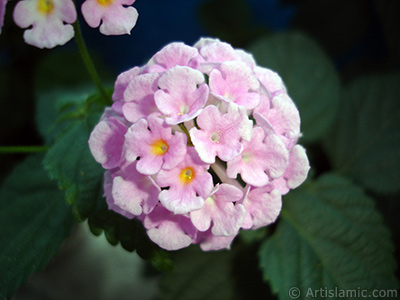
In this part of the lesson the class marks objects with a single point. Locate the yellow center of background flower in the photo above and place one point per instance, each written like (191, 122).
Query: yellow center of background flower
(45, 7)
(159, 147)
(187, 175)
(105, 2)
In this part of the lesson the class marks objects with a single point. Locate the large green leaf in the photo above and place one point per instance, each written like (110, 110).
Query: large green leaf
(70, 162)
(309, 75)
(365, 143)
(199, 275)
(34, 222)
(330, 237)
(55, 107)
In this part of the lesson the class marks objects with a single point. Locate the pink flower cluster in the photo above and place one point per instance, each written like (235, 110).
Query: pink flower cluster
(199, 143)
(49, 21)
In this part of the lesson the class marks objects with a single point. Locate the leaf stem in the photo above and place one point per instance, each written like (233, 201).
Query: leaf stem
(89, 62)
(23, 149)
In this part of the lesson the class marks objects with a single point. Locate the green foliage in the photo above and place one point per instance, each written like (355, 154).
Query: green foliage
(330, 236)
(56, 106)
(199, 275)
(70, 162)
(34, 222)
(365, 143)
(309, 75)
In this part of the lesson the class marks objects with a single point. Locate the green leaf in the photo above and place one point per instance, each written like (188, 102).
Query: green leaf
(56, 106)
(309, 75)
(34, 222)
(198, 275)
(70, 162)
(365, 143)
(330, 236)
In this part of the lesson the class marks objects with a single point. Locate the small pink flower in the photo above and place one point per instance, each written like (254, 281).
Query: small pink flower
(122, 82)
(174, 54)
(213, 50)
(262, 206)
(50, 21)
(107, 139)
(209, 242)
(261, 156)
(270, 80)
(219, 211)
(108, 185)
(115, 18)
(296, 172)
(168, 230)
(234, 81)
(3, 4)
(139, 97)
(157, 148)
(188, 183)
(133, 192)
(283, 117)
(220, 134)
(182, 95)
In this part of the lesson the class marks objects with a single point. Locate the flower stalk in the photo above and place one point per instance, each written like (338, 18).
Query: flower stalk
(89, 63)
(22, 149)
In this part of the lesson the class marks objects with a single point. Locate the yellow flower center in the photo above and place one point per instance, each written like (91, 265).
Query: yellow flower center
(184, 109)
(215, 136)
(246, 156)
(45, 7)
(105, 2)
(159, 147)
(187, 175)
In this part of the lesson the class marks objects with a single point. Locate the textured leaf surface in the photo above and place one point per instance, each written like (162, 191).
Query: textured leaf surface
(365, 143)
(310, 77)
(53, 108)
(34, 222)
(69, 161)
(199, 275)
(330, 236)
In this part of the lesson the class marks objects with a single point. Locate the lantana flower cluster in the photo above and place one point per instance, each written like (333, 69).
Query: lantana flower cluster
(199, 143)
(49, 21)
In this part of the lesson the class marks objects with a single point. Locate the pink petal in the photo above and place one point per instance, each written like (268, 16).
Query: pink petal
(107, 139)
(169, 231)
(262, 205)
(174, 54)
(122, 83)
(140, 97)
(182, 94)
(235, 82)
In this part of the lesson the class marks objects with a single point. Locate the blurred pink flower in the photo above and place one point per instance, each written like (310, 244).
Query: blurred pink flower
(114, 16)
(3, 4)
(50, 21)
